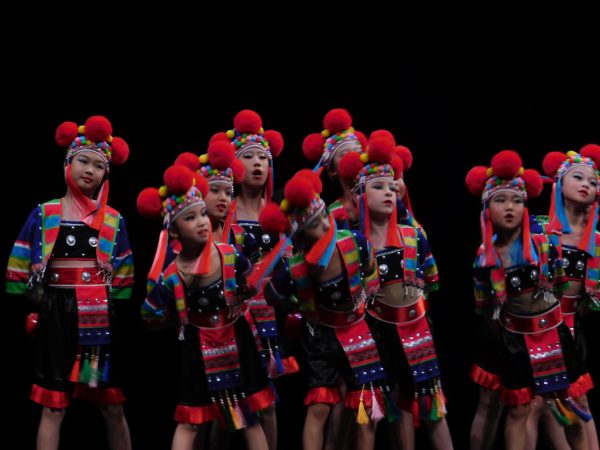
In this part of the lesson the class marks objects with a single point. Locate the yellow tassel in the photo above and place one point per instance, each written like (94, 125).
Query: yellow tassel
(569, 415)
(233, 415)
(440, 405)
(362, 418)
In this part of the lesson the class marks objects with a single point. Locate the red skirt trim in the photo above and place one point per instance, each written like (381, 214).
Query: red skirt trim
(290, 365)
(484, 378)
(261, 399)
(515, 397)
(195, 414)
(328, 395)
(352, 399)
(99, 396)
(48, 398)
(583, 384)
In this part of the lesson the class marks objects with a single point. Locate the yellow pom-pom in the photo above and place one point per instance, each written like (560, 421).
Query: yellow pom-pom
(81, 129)
(364, 157)
(325, 133)
(489, 172)
(571, 153)
(109, 140)
(284, 205)
(163, 191)
(203, 158)
(521, 171)
(261, 130)
(243, 140)
(230, 134)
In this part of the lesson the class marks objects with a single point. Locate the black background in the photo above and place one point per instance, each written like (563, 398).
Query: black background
(455, 91)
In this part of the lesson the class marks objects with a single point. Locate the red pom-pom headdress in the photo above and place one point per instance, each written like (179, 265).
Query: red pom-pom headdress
(337, 134)
(94, 136)
(247, 134)
(505, 174)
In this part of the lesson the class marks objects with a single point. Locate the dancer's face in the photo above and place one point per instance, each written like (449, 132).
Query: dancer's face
(317, 227)
(580, 185)
(88, 170)
(506, 210)
(192, 227)
(256, 163)
(218, 199)
(381, 197)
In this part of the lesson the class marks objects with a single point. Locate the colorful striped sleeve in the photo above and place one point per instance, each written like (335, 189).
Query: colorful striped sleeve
(122, 282)
(23, 254)
(427, 265)
(158, 307)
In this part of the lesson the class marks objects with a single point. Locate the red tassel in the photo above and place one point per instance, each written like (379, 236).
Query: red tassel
(202, 266)
(527, 237)
(160, 255)
(414, 410)
(257, 275)
(488, 232)
(589, 232)
(317, 250)
(367, 231)
(393, 235)
(101, 205)
(552, 201)
(74, 377)
(269, 186)
(228, 221)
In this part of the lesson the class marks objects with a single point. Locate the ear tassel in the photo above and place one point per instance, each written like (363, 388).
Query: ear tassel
(202, 266)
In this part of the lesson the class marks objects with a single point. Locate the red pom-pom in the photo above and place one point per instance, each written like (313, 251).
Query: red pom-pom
(202, 185)
(149, 203)
(221, 155)
(120, 151)
(312, 177)
(239, 171)
(337, 120)
(312, 146)
(552, 162)
(380, 150)
(275, 140)
(66, 133)
(398, 166)
(506, 164)
(592, 151)
(247, 121)
(273, 220)
(405, 154)
(475, 180)
(350, 165)
(220, 136)
(382, 134)
(299, 192)
(97, 128)
(533, 182)
(189, 160)
(362, 138)
(178, 179)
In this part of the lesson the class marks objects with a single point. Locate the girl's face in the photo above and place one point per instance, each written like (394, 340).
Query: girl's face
(192, 227)
(256, 163)
(580, 185)
(88, 170)
(218, 199)
(381, 196)
(506, 210)
(317, 227)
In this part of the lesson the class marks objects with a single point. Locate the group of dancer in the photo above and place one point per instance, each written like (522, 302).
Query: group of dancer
(235, 270)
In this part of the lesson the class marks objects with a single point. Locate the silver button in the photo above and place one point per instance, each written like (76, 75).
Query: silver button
(336, 295)
(378, 309)
(534, 275)
(508, 321)
(383, 269)
(93, 241)
(515, 281)
(351, 318)
(543, 323)
(214, 319)
(86, 276)
(579, 265)
(203, 301)
(55, 276)
(266, 238)
(412, 313)
(565, 263)
(70, 240)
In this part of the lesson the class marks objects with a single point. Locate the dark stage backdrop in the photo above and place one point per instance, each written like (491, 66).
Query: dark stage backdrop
(454, 104)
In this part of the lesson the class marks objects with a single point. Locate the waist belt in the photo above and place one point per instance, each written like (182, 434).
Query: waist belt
(336, 319)
(532, 324)
(397, 314)
(74, 276)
